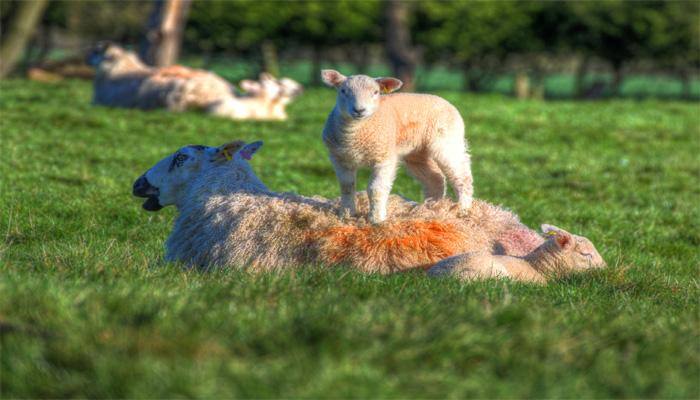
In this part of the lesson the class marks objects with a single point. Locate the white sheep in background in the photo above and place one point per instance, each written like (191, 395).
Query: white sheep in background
(228, 217)
(122, 80)
(366, 128)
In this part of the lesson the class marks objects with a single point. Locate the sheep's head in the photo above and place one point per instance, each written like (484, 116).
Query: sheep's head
(358, 95)
(166, 182)
(105, 53)
(572, 252)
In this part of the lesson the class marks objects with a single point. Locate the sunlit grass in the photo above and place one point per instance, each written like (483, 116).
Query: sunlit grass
(88, 310)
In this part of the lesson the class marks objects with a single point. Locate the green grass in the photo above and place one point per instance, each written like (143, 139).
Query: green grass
(88, 310)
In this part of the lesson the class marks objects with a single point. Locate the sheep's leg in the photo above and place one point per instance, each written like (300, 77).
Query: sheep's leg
(454, 162)
(379, 188)
(427, 172)
(347, 178)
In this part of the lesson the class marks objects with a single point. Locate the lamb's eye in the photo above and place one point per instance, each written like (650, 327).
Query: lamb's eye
(343, 91)
(178, 160)
(376, 92)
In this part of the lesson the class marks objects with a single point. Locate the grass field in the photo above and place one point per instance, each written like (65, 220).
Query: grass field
(87, 309)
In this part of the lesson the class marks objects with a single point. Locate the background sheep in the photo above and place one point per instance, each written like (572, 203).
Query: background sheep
(228, 217)
(561, 254)
(122, 80)
(366, 129)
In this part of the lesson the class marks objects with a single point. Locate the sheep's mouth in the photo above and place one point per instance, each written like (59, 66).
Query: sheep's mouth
(152, 204)
(143, 188)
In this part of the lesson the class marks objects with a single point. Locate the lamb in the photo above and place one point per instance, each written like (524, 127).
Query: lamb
(228, 217)
(562, 253)
(272, 95)
(426, 132)
(122, 80)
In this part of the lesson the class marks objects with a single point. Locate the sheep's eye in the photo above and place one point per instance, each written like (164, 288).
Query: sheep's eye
(178, 160)
(587, 255)
(376, 92)
(343, 91)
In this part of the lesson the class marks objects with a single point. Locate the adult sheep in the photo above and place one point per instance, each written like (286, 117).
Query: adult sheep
(228, 217)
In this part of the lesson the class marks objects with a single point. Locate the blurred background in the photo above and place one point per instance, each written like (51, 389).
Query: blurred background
(528, 49)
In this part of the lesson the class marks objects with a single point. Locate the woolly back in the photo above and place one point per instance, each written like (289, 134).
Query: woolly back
(270, 231)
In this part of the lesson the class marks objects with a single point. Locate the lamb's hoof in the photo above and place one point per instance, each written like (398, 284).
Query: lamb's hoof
(345, 213)
(464, 209)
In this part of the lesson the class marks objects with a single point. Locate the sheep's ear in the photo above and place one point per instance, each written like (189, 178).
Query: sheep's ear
(563, 238)
(332, 77)
(248, 150)
(388, 85)
(250, 86)
(226, 151)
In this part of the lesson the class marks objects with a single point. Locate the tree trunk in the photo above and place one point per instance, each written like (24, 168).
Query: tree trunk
(522, 85)
(316, 66)
(687, 92)
(20, 31)
(270, 62)
(581, 72)
(537, 90)
(618, 77)
(163, 38)
(402, 56)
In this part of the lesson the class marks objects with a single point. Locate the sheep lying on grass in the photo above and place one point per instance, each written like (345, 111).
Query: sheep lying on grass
(122, 80)
(366, 128)
(562, 253)
(275, 94)
(228, 217)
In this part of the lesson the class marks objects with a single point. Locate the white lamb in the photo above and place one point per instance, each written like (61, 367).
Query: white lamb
(228, 217)
(366, 128)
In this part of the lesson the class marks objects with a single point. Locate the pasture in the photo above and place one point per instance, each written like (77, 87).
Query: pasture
(88, 310)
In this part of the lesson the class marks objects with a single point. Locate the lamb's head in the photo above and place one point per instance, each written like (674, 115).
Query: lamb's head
(289, 89)
(572, 252)
(167, 182)
(358, 95)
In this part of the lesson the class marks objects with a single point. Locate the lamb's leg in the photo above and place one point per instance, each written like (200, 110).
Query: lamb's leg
(464, 267)
(347, 178)
(427, 172)
(454, 162)
(379, 188)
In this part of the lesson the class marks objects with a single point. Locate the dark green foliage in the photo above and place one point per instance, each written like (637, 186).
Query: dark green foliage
(87, 309)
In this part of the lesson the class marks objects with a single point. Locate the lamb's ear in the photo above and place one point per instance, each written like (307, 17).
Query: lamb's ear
(563, 238)
(250, 86)
(332, 77)
(388, 85)
(226, 151)
(248, 150)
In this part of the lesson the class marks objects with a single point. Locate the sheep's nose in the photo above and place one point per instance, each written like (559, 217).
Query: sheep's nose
(358, 110)
(143, 188)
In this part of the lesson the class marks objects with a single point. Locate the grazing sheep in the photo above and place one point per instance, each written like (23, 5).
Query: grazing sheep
(122, 80)
(424, 131)
(228, 217)
(562, 253)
